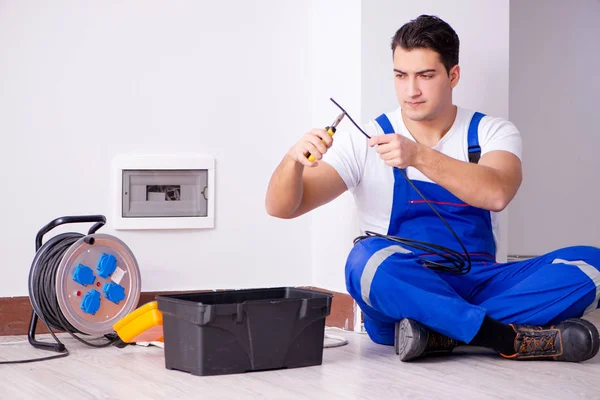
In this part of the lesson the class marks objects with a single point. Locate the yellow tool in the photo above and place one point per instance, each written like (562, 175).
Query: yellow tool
(145, 324)
(330, 130)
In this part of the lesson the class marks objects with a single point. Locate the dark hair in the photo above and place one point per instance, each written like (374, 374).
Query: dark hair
(429, 32)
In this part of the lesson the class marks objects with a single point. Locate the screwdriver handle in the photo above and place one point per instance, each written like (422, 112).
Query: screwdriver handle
(330, 130)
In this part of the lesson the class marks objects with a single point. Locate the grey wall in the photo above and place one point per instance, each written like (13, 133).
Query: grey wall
(483, 29)
(554, 101)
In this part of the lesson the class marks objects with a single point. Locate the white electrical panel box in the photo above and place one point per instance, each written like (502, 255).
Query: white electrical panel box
(163, 192)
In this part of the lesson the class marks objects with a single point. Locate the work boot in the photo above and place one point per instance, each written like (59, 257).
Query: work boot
(414, 340)
(572, 340)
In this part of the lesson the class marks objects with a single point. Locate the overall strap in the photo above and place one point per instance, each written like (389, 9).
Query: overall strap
(473, 139)
(385, 124)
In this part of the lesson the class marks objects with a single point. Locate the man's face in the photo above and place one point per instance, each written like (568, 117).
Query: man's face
(423, 87)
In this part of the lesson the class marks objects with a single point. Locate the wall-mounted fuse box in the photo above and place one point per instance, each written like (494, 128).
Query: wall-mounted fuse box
(163, 192)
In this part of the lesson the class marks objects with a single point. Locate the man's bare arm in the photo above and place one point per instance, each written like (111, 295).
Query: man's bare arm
(491, 184)
(298, 185)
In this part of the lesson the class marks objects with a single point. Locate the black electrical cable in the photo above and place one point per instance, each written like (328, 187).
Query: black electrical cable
(453, 261)
(61, 355)
(44, 288)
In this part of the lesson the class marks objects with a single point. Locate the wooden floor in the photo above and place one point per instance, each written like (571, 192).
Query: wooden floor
(359, 370)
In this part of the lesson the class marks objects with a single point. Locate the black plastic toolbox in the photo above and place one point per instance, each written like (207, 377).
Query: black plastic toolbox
(238, 331)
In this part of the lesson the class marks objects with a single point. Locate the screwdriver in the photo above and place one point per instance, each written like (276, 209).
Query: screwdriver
(331, 131)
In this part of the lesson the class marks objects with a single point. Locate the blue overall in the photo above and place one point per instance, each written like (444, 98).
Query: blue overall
(389, 281)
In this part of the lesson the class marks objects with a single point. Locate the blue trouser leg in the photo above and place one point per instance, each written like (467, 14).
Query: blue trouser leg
(389, 283)
(547, 289)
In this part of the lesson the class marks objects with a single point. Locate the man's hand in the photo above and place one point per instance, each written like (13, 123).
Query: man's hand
(395, 150)
(315, 142)
(295, 190)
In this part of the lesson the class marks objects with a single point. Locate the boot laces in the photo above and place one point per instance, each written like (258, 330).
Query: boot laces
(439, 342)
(537, 342)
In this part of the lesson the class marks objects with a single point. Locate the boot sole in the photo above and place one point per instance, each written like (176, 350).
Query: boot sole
(411, 340)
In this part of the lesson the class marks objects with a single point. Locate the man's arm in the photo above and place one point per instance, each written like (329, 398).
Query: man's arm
(491, 184)
(298, 185)
(295, 190)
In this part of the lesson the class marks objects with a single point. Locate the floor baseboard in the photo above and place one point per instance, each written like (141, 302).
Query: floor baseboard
(15, 312)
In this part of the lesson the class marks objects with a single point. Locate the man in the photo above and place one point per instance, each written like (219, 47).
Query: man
(468, 166)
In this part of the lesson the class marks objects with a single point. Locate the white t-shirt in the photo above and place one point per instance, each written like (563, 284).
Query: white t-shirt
(371, 181)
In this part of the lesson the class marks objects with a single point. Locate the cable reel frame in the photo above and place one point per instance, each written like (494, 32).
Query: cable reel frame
(65, 284)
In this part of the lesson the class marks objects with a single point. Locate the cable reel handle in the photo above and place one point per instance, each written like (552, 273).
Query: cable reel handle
(99, 220)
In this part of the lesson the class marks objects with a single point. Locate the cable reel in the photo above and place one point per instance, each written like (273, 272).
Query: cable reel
(81, 284)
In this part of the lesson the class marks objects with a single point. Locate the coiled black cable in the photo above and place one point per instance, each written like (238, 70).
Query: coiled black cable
(46, 306)
(44, 286)
(453, 261)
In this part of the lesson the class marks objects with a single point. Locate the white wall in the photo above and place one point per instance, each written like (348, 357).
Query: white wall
(554, 100)
(82, 82)
(336, 65)
(238, 80)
